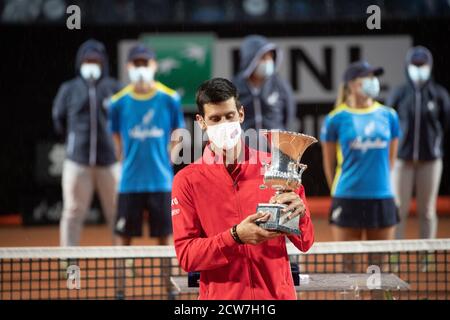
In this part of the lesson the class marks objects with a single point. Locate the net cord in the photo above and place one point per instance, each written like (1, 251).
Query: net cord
(169, 251)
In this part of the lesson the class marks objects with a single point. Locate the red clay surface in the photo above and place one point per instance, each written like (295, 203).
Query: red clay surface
(98, 235)
(318, 205)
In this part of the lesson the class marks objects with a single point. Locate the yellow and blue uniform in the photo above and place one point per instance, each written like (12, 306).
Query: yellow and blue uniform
(362, 194)
(145, 123)
(363, 139)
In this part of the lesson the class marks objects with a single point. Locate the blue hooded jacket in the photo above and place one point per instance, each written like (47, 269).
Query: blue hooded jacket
(273, 107)
(80, 112)
(424, 114)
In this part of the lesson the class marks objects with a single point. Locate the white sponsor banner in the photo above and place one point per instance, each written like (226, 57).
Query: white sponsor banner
(314, 65)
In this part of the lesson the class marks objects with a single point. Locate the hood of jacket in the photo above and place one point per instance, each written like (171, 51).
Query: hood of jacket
(252, 49)
(408, 59)
(89, 46)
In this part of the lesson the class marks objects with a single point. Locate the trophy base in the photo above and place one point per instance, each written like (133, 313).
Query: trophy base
(277, 219)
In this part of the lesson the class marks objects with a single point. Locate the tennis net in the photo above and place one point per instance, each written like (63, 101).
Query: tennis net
(398, 269)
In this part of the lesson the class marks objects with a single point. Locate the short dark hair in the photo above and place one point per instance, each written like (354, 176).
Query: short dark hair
(215, 90)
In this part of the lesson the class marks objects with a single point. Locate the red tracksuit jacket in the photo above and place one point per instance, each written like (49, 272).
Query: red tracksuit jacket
(206, 202)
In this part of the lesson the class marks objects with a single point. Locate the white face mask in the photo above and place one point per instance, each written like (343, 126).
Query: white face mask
(141, 74)
(265, 69)
(370, 87)
(90, 71)
(419, 74)
(226, 135)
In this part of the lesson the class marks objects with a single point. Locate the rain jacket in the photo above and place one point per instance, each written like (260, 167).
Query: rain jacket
(273, 107)
(80, 112)
(424, 114)
(206, 202)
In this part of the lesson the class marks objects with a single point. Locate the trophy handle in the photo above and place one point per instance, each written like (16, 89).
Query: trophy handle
(266, 166)
(302, 167)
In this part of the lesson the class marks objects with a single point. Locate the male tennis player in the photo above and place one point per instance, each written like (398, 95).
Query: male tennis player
(213, 210)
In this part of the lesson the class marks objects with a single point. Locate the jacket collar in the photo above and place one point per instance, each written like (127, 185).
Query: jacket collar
(214, 163)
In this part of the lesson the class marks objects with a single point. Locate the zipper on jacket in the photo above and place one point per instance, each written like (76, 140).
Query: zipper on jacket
(417, 116)
(247, 253)
(71, 143)
(93, 126)
(258, 112)
(235, 187)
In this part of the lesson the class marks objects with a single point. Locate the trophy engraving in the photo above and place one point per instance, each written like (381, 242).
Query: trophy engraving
(284, 174)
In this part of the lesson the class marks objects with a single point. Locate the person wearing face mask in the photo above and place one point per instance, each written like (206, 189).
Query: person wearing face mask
(268, 98)
(80, 116)
(143, 117)
(424, 111)
(359, 143)
(213, 209)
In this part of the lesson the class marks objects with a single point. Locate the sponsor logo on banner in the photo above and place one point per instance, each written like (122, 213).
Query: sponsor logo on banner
(314, 66)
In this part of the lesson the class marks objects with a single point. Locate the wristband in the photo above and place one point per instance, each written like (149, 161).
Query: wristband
(235, 235)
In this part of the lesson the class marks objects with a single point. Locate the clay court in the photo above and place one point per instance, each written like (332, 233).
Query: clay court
(18, 236)
(12, 234)
(107, 275)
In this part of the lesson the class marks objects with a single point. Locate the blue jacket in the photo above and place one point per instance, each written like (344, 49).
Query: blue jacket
(424, 114)
(80, 113)
(273, 107)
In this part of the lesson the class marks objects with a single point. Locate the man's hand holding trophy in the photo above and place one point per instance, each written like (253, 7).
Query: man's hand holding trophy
(284, 175)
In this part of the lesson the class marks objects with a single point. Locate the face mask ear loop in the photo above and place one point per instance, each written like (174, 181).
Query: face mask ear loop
(204, 123)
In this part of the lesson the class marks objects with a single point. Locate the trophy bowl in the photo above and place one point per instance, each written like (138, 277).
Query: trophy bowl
(284, 174)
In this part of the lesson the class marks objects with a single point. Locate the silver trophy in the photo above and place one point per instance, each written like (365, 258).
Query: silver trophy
(284, 174)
